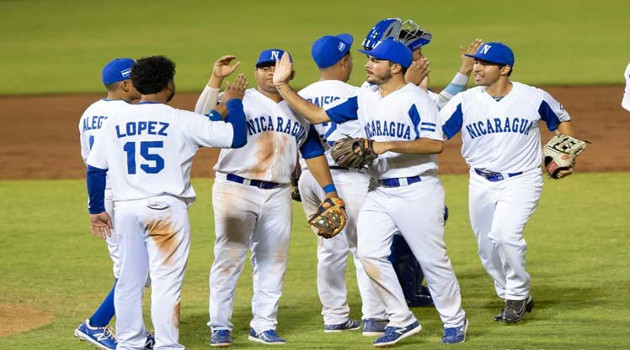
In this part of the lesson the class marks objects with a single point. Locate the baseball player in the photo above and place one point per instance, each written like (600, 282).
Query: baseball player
(332, 56)
(147, 150)
(120, 91)
(625, 102)
(499, 122)
(405, 195)
(416, 37)
(252, 205)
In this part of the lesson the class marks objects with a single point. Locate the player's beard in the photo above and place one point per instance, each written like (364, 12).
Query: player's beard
(379, 79)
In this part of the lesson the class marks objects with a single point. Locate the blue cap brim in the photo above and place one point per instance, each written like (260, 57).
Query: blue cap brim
(481, 58)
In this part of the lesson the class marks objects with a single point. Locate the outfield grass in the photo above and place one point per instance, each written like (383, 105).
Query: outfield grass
(60, 46)
(577, 257)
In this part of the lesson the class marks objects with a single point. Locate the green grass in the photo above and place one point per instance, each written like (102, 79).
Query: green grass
(577, 257)
(60, 46)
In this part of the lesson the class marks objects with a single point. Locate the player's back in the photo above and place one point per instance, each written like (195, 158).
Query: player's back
(92, 120)
(148, 149)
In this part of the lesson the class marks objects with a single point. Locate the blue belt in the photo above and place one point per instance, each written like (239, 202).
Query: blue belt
(397, 182)
(265, 185)
(494, 177)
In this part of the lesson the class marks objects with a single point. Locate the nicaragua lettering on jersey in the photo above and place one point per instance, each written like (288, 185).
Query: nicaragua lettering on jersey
(499, 125)
(265, 123)
(387, 128)
(94, 122)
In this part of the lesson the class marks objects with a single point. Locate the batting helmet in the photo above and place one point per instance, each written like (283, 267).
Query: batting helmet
(389, 27)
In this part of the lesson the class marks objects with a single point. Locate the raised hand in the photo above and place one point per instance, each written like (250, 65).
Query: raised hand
(418, 71)
(236, 90)
(468, 62)
(221, 69)
(284, 69)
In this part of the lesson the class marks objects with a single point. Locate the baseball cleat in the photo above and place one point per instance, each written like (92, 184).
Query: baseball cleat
(374, 327)
(349, 325)
(500, 316)
(454, 335)
(515, 309)
(395, 334)
(267, 337)
(101, 337)
(150, 342)
(221, 338)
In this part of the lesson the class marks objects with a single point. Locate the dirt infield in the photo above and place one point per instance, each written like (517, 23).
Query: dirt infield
(15, 318)
(39, 134)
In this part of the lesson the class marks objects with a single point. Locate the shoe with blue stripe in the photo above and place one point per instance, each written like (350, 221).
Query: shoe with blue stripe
(395, 334)
(267, 337)
(454, 335)
(101, 337)
(221, 338)
(349, 325)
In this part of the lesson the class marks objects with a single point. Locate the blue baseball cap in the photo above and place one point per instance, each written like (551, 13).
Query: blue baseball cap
(391, 50)
(117, 70)
(498, 53)
(270, 56)
(328, 49)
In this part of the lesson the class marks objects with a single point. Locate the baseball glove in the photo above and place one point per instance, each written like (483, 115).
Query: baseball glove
(353, 152)
(330, 217)
(560, 153)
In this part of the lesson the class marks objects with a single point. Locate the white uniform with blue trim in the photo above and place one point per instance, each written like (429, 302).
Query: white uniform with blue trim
(252, 208)
(404, 197)
(332, 254)
(148, 150)
(89, 126)
(501, 144)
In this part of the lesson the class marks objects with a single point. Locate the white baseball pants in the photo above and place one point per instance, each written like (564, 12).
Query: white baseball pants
(332, 254)
(247, 217)
(417, 212)
(153, 237)
(498, 214)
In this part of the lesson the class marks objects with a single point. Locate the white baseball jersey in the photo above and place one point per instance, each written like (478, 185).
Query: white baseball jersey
(403, 115)
(326, 94)
(148, 149)
(502, 136)
(92, 120)
(268, 156)
(625, 103)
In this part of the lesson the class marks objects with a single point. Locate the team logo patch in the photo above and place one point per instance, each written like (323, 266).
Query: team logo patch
(125, 72)
(485, 49)
(341, 47)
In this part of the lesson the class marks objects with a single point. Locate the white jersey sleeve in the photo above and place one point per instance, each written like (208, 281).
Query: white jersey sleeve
(207, 100)
(625, 103)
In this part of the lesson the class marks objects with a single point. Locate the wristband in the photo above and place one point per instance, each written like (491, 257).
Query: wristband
(329, 188)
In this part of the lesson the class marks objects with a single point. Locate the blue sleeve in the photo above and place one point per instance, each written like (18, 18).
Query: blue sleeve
(547, 114)
(96, 189)
(214, 116)
(236, 117)
(454, 123)
(312, 147)
(345, 111)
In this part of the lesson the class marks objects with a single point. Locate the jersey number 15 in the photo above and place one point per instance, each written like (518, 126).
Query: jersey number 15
(145, 152)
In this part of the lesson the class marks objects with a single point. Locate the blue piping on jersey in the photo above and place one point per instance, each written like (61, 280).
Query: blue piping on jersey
(345, 111)
(415, 119)
(312, 147)
(547, 114)
(454, 123)
(236, 117)
(96, 189)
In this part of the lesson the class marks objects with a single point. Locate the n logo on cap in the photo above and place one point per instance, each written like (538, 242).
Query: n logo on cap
(485, 49)
(274, 55)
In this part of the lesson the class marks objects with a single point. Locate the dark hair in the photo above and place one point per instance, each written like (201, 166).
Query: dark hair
(402, 68)
(151, 75)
